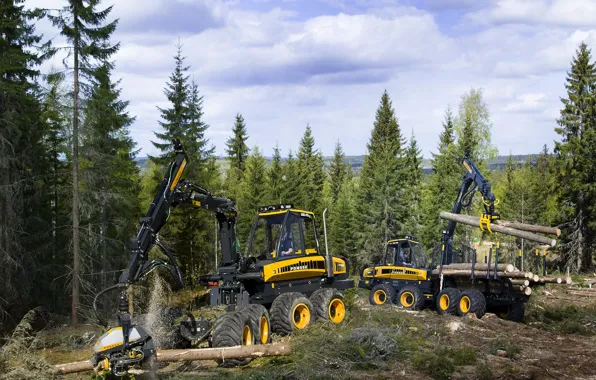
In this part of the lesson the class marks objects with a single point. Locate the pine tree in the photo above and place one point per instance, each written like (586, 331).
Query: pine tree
(311, 174)
(274, 176)
(88, 36)
(575, 163)
(24, 162)
(379, 207)
(174, 120)
(337, 171)
(443, 183)
(413, 183)
(253, 192)
(237, 149)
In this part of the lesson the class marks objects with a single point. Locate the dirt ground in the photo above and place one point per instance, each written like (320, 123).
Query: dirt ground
(556, 341)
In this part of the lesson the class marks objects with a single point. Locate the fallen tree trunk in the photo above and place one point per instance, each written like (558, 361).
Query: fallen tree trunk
(236, 352)
(479, 274)
(530, 227)
(475, 221)
(483, 267)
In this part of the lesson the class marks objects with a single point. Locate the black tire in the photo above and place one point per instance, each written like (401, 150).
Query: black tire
(289, 312)
(329, 305)
(514, 312)
(447, 301)
(261, 322)
(471, 302)
(233, 329)
(382, 294)
(411, 298)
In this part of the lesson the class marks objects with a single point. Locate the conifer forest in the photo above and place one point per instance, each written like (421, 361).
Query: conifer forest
(74, 183)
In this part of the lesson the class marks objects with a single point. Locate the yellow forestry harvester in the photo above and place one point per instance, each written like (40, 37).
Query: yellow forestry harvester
(282, 282)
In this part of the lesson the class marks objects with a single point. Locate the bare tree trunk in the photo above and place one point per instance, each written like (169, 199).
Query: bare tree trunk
(75, 188)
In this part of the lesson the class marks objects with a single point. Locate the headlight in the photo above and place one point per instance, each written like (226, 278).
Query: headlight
(369, 273)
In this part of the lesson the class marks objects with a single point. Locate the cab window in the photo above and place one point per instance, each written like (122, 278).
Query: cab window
(311, 243)
(265, 236)
(291, 238)
(419, 256)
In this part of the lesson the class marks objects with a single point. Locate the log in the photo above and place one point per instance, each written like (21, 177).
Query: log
(530, 227)
(478, 274)
(483, 267)
(522, 289)
(535, 278)
(255, 351)
(568, 281)
(475, 221)
(550, 280)
(521, 282)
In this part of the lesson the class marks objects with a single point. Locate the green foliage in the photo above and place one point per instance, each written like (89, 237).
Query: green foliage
(337, 172)
(311, 174)
(341, 233)
(413, 184)
(379, 207)
(504, 344)
(290, 181)
(575, 164)
(568, 319)
(274, 176)
(253, 192)
(236, 147)
(443, 183)
(473, 128)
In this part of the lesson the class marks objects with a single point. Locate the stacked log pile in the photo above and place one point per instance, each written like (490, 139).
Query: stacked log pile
(521, 282)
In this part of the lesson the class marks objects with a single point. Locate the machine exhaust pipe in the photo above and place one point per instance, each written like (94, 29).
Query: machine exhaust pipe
(328, 258)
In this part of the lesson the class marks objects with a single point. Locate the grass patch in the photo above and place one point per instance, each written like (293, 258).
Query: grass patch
(441, 362)
(570, 319)
(505, 345)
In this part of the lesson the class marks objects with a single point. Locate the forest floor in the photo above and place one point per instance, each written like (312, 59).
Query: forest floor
(556, 341)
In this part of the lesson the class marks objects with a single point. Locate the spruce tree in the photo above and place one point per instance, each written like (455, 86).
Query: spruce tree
(342, 231)
(109, 176)
(575, 163)
(337, 171)
(413, 184)
(274, 176)
(88, 36)
(311, 174)
(253, 192)
(443, 183)
(381, 183)
(290, 181)
(174, 120)
(24, 163)
(236, 147)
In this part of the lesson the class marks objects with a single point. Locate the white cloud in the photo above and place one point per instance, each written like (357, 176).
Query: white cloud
(282, 71)
(554, 12)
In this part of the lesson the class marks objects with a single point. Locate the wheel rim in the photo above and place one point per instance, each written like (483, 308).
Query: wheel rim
(464, 304)
(504, 313)
(337, 310)
(246, 336)
(264, 326)
(301, 315)
(380, 297)
(407, 299)
(444, 302)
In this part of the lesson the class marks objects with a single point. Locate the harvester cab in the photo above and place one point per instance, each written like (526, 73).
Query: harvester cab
(405, 251)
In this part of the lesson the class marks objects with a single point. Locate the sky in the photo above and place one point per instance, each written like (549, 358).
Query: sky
(284, 64)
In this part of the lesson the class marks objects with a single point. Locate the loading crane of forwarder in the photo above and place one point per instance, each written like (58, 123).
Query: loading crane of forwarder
(472, 180)
(127, 344)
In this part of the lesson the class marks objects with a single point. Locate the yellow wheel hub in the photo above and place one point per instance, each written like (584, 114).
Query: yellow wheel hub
(444, 302)
(246, 336)
(380, 297)
(301, 315)
(464, 304)
(337, 310)
(407, 299)
(264, 328)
